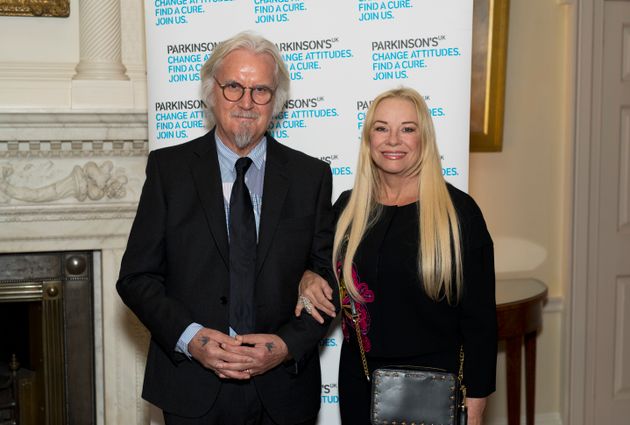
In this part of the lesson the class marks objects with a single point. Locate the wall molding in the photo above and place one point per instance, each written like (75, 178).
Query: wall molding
(552, 418)
(42, 71)
(30, 149)
(554, 305)
(33, 214)
(90, 126)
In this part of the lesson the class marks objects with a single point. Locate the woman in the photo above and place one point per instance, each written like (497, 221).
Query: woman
(416, 258)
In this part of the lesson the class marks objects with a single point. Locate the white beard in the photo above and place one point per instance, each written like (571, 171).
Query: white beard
(245, 135)
(243, 138)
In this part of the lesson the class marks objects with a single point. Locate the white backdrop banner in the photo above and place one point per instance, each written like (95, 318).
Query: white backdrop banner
(340, 55)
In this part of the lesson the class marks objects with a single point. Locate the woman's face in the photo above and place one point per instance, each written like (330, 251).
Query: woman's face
(395, 137)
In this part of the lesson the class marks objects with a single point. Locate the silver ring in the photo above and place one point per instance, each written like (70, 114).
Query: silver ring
(308, 306)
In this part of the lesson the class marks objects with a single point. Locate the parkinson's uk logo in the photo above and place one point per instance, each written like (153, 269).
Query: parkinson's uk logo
(184, 60)
(330, 393)
(381, 10)
(299, 114)
(336, 168)
(362, 107)
(168, 12)
(399, 58)
(276, 11)
(173, 118)
(303, 57)
(450, 171)
(328, 342)
(437, 112)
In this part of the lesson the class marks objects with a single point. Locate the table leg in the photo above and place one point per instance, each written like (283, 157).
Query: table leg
(530, 376)
(513, 347)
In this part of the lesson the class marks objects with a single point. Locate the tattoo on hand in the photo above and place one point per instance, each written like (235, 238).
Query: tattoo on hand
(204, 340)
(269, 346)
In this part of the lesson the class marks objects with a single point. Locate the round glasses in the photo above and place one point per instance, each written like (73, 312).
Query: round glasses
(233, 92)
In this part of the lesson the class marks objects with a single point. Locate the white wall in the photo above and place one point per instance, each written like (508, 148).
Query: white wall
(525, 190)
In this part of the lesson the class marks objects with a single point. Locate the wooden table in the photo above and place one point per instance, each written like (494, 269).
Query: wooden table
(519, 315)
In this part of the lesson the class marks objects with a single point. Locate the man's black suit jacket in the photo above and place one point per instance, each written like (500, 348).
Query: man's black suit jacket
(175, 272)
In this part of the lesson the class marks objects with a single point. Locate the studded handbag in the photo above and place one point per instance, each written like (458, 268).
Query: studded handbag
(412, 395)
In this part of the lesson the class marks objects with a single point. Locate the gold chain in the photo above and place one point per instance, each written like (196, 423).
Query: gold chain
(355, 319)
(354, 316)
(460, 376)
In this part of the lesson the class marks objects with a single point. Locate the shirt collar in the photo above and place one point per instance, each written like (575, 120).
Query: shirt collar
(257, 155)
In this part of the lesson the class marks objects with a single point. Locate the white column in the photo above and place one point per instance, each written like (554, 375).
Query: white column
(100, 47)
(101, 82)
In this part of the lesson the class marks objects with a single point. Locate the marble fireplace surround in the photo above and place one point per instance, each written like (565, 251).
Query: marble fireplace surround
(71, 181)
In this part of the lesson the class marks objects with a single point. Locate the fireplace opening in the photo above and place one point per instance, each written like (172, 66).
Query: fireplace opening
(47, 344)
(21, 355)
(15, 328)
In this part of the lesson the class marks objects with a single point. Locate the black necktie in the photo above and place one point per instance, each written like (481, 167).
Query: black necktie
(242, 252)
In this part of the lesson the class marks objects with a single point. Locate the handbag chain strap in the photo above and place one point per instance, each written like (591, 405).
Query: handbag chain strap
(355, 320)
(460, 376)
(354, 316)
(354, 313)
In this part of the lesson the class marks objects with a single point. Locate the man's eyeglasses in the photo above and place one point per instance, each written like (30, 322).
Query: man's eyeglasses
(233, 92)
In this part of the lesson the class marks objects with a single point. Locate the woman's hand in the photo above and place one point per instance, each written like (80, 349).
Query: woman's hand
(475, 408)
(315, 295)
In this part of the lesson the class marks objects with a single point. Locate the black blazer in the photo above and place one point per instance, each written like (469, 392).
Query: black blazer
(175, 272)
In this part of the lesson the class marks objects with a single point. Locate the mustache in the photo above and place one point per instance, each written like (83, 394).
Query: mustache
(244, 114)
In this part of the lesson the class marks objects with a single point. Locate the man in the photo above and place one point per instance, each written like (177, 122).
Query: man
(217, 251)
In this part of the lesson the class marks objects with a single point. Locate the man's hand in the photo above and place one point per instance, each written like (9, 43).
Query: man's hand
(314, 291)
(266, 350)
(206, 348)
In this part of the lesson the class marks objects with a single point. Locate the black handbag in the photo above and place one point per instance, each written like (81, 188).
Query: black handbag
(414, 395)
(411, 395)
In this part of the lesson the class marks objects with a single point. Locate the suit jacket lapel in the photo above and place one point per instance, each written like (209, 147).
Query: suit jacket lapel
(207, 177)
(275, 190)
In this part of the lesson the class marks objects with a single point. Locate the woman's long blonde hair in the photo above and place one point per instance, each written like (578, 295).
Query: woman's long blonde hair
(439, 250)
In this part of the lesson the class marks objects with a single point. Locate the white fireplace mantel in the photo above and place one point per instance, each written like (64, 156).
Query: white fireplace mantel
(71, 181)
(69, 175)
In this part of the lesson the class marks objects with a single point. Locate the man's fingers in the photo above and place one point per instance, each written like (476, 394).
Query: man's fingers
(222, 338)
(234, 367)
(233, 374)
(257, 354)
(209, 349)
(234, 354)
(252, 339)
(236, 349)
(206, 338)
(241, 350)
(237, 358)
